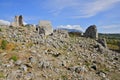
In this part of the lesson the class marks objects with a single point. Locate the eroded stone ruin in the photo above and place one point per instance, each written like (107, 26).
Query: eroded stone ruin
(91, 32)
(18, 21)
(45, 28)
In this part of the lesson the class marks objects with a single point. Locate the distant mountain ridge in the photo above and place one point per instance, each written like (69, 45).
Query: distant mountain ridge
(71, 30)
(110, 35)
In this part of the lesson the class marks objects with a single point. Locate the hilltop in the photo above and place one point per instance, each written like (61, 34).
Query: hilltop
(27, 55)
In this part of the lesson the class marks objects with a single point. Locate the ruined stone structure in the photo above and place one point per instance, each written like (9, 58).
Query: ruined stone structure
(45, 28)
(18, 21)
(91, 32)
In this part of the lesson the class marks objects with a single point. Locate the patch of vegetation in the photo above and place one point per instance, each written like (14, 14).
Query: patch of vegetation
(1, 75)
(0, 29)
(110, 36)
(87, 63)
(14, 58)
(3, 44)
(30, 44)
(65, 47)
(64, 77)
(75, 34)
(10, 46)
(113, 41)
(103, 68)
(106, 69)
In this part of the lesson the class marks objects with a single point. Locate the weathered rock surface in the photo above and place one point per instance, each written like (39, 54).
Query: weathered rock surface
(103, 42)
(91, 32)
(54, 57)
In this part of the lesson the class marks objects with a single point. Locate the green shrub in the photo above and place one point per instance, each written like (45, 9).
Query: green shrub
(14, 58)
(4, 44)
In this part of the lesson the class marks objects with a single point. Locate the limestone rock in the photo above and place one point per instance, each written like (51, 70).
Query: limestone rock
(43, 64)
(23, 67)
(18, 62)
(91, 32)
(11, 76)
(32, 60)
(78, 69)
(103, 42)
(29, 76)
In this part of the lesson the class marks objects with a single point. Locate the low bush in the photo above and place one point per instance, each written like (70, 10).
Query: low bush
(14, 58)
(4, 44)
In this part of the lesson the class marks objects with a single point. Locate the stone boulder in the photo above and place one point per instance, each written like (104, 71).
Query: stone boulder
(103, 42)
(45, 28)
(61, 33)
(91, 32)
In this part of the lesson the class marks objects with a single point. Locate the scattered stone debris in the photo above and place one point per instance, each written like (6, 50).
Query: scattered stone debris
(56, 55)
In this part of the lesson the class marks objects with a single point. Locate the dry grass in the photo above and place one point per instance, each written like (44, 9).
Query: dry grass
(29, 44)
(10, 46)
(0, 41)
(113, 47)
(115, 76)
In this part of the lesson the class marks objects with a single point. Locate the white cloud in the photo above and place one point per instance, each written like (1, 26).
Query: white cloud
(111, 26)
(76, 27)
(24, 23)
(79, 8)
(3, 22)
(91, 9)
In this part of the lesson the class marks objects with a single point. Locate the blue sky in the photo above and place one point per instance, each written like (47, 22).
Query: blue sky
(105, 14)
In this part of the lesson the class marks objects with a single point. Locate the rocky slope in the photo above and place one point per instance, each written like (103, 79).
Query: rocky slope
(26, 55)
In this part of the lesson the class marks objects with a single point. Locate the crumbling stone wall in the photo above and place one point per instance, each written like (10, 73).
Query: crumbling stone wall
(18, 21)
(45, 27)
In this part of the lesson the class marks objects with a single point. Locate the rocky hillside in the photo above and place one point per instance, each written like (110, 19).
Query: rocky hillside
(27, 55)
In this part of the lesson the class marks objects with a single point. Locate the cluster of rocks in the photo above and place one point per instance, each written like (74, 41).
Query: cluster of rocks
(45, 27)
(91, 32)
(56, 55)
